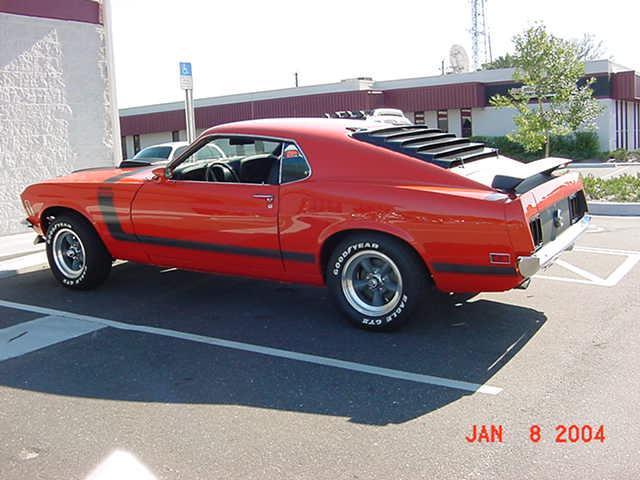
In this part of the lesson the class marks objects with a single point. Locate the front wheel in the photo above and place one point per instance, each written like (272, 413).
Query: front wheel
(76, 254)
(377, 280)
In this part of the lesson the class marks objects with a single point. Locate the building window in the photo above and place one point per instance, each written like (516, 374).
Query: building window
(637, 126)
(443, 120)
(123, 146)
(418, 118)
(136, 144)
(175, 136)
(465, 119)
(626, 126)
(634, 127)
(618, 129)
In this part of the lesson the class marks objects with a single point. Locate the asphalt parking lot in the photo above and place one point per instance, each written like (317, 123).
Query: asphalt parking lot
(173, 374)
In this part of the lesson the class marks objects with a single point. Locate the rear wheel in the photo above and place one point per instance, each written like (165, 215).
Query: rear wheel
(76, 255)
(377, 280)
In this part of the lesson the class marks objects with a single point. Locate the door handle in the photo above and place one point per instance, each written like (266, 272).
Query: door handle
(267, 197)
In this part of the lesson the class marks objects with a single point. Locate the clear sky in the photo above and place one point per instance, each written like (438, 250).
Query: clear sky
(244, 46)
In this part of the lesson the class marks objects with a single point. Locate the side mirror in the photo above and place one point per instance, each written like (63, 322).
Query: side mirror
(159, 174)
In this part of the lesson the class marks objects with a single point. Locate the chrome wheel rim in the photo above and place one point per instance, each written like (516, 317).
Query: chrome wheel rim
(372, 283)
(68, 253)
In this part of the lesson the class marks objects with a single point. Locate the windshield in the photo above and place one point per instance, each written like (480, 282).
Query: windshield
(154, 152)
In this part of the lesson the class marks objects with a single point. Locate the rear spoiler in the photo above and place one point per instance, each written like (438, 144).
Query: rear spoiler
(530, 176)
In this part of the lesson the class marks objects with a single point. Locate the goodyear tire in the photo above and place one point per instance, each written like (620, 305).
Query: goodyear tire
(77, 257)
(376, 280)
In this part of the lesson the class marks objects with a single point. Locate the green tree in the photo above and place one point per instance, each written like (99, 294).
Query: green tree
(503, 61)
(550, 102)
(587, 48)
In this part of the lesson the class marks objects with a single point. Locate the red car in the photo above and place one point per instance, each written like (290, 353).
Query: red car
(379, 214)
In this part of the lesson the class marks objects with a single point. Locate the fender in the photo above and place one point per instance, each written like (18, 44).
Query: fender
(66, 204)
(392, 230)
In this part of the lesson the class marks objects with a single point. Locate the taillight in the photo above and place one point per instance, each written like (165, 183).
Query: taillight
(577, 206)
(535, 226)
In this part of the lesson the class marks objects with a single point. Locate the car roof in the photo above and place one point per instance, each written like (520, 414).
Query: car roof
(288, 127)
(445, 150)
(167, 144)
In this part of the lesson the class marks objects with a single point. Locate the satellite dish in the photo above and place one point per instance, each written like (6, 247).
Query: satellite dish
(458, 59)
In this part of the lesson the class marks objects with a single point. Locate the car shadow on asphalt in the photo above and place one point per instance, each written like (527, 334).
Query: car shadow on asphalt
(458, 338)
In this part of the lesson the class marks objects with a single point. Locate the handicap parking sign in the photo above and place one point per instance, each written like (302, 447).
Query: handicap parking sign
(185, 69)
(186, 79)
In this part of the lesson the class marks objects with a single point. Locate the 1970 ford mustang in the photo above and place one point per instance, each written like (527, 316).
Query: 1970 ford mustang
(380, 214)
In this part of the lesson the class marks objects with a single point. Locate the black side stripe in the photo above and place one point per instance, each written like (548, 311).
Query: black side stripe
(298, 257)
(108, 211)
(473, 269)
(92, 169)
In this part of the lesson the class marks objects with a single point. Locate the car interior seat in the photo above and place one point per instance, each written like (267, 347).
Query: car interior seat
(257, 168)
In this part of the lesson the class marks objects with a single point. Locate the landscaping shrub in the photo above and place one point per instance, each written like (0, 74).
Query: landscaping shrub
(622, 155)
(580, 146)
(625, 188)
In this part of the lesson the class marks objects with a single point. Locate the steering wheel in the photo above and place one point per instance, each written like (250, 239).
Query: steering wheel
(210, 176)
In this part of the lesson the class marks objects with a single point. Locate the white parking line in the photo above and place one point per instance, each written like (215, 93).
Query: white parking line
(41, 333)
(579, 271)
(274, 352)
(632, 258)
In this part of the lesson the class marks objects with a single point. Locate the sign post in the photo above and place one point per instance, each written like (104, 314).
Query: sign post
(186, 83)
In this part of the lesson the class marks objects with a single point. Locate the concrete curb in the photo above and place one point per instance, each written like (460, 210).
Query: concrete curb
(615, 209)
(21, 253)
(604, 165)
(24, 264)
(18, 245)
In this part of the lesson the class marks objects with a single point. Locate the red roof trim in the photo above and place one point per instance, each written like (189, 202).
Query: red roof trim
(301, 106)
(460, 95)
(86, 11)
(625, 86)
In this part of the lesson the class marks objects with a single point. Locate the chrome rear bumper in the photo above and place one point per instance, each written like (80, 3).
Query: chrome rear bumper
(530, 265)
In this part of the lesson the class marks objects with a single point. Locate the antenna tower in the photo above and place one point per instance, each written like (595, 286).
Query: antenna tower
(480, 38)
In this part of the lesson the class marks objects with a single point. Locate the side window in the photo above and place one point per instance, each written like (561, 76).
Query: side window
(233, 159)
(294, 165)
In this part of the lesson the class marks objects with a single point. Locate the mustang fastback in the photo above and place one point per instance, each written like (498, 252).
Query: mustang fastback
(382, 215)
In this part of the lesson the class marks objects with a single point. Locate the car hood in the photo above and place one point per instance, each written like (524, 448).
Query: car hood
(105, 175)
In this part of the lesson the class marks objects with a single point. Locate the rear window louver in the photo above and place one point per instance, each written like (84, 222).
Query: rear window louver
(428, 144)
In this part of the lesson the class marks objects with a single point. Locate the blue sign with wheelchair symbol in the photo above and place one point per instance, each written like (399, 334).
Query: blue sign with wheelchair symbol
(185, 69)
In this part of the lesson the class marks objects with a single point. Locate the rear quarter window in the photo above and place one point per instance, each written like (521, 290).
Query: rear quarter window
(294, 165)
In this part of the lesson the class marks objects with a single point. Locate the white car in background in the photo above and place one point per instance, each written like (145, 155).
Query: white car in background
(166, 152)
(162, 151)
(392, 116)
